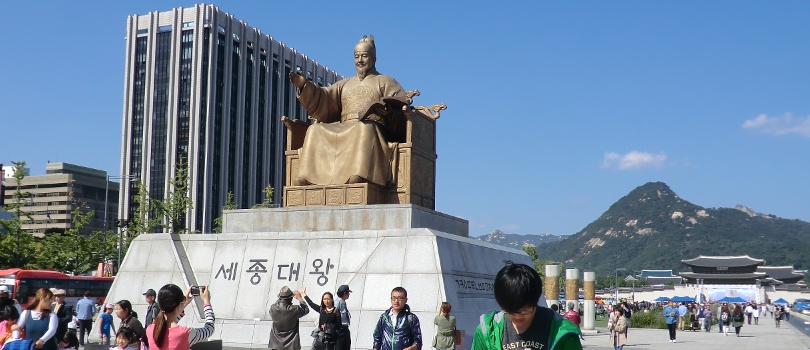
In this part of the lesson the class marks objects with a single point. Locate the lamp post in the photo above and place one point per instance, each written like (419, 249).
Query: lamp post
(617, 282)
(106, 206)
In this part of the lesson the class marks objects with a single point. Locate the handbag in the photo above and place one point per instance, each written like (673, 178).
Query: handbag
(317, 340)
(458, 337)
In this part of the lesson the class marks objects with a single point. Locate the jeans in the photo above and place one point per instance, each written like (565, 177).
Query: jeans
(616, 341)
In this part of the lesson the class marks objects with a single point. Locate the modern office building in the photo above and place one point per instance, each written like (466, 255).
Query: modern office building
(50, 198)
(206, 88)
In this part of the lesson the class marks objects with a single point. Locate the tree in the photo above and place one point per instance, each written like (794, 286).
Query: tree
(538, 263)
(268, 198)
(229, 205)
(144, 208)
(17, 247)
(70, 251)
(177, 203)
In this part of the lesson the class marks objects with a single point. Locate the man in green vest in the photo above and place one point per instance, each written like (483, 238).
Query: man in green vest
(523, 324)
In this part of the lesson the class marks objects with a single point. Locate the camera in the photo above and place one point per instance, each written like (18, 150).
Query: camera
(195, 290)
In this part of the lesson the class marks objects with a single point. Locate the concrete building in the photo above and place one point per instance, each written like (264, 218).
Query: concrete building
(51, 197)
(206, 88)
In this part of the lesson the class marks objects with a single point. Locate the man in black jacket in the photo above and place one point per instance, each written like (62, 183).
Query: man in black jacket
(152, 308)
(64, 313)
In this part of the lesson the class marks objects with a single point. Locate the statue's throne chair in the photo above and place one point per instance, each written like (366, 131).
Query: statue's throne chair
(414, 171)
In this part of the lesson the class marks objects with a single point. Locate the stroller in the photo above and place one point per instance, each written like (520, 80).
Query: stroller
(694, 321)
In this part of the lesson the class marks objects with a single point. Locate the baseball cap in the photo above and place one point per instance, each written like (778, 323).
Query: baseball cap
(59, 292)
(344, 288)
(110, 306)
(149, 292)
(3, 289)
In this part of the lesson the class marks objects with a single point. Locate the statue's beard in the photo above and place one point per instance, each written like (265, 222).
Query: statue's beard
(363, 71)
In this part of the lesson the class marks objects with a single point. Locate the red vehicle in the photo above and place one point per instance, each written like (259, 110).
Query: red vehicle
(24, 284)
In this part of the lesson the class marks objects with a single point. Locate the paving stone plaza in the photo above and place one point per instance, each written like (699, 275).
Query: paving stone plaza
(791, 335)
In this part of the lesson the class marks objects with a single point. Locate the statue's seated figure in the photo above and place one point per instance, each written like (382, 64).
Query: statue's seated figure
(364, 125)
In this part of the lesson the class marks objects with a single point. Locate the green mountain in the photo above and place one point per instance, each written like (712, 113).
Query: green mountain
(653, 228)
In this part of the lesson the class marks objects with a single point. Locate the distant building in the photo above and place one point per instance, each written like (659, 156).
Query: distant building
(660, 277)
(8, 171)
(204, 87)
(63, 188)
(779, 275)
(723, 270)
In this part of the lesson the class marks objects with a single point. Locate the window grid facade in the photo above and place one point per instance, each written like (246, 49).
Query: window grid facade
(160, 109)
(193, 72)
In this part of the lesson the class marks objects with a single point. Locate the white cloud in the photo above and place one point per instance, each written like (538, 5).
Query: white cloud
(633, 160)
(783, 125)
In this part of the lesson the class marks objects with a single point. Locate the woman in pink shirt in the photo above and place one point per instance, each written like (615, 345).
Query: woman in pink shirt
(168, 335)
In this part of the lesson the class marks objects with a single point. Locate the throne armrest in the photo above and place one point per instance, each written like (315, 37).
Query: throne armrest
(296, 130)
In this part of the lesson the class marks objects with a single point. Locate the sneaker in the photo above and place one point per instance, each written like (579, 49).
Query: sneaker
(674, 341)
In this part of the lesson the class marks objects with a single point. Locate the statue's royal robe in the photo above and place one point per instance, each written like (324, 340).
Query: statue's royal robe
(339, 144)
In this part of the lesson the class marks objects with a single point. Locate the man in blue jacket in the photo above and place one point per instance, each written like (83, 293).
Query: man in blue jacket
(398, 328)
(671, 314)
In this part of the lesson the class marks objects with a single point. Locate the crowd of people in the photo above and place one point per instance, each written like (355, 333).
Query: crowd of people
(727, 316)
(49, 323)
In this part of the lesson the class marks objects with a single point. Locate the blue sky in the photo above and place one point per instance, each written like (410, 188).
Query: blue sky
(555, 110)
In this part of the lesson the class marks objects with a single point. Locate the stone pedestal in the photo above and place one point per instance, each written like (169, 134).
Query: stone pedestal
(552, 285)
(571, 287)
(341, 218)
(321, 248)
(334, 195)
(589, 289)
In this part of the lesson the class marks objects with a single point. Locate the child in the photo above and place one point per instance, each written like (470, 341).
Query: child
(126, 339)
(69, 342)
(105, 325)
(9, 316)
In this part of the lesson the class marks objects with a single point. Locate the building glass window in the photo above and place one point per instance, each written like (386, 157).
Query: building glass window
(246, 146)
(184, 94)
(216, 169)
(233, 115)
(260, 125)
(137, 114)
(202, 150)
(160, 109)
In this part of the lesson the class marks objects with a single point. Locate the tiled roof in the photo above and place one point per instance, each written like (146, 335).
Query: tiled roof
(656, 273)
(720, 261)
(723, 276)
(780, 272)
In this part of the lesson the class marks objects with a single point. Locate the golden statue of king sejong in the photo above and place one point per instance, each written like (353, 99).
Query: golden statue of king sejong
(359, 122)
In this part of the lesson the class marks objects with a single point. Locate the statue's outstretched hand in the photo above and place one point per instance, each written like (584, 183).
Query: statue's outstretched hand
(298, 80)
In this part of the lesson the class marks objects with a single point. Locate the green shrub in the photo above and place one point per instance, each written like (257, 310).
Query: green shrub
(650, 319)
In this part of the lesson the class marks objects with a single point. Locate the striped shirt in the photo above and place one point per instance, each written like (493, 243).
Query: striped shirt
(197, 335)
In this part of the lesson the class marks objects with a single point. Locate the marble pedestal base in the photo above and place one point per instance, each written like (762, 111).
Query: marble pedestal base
(245, 272)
